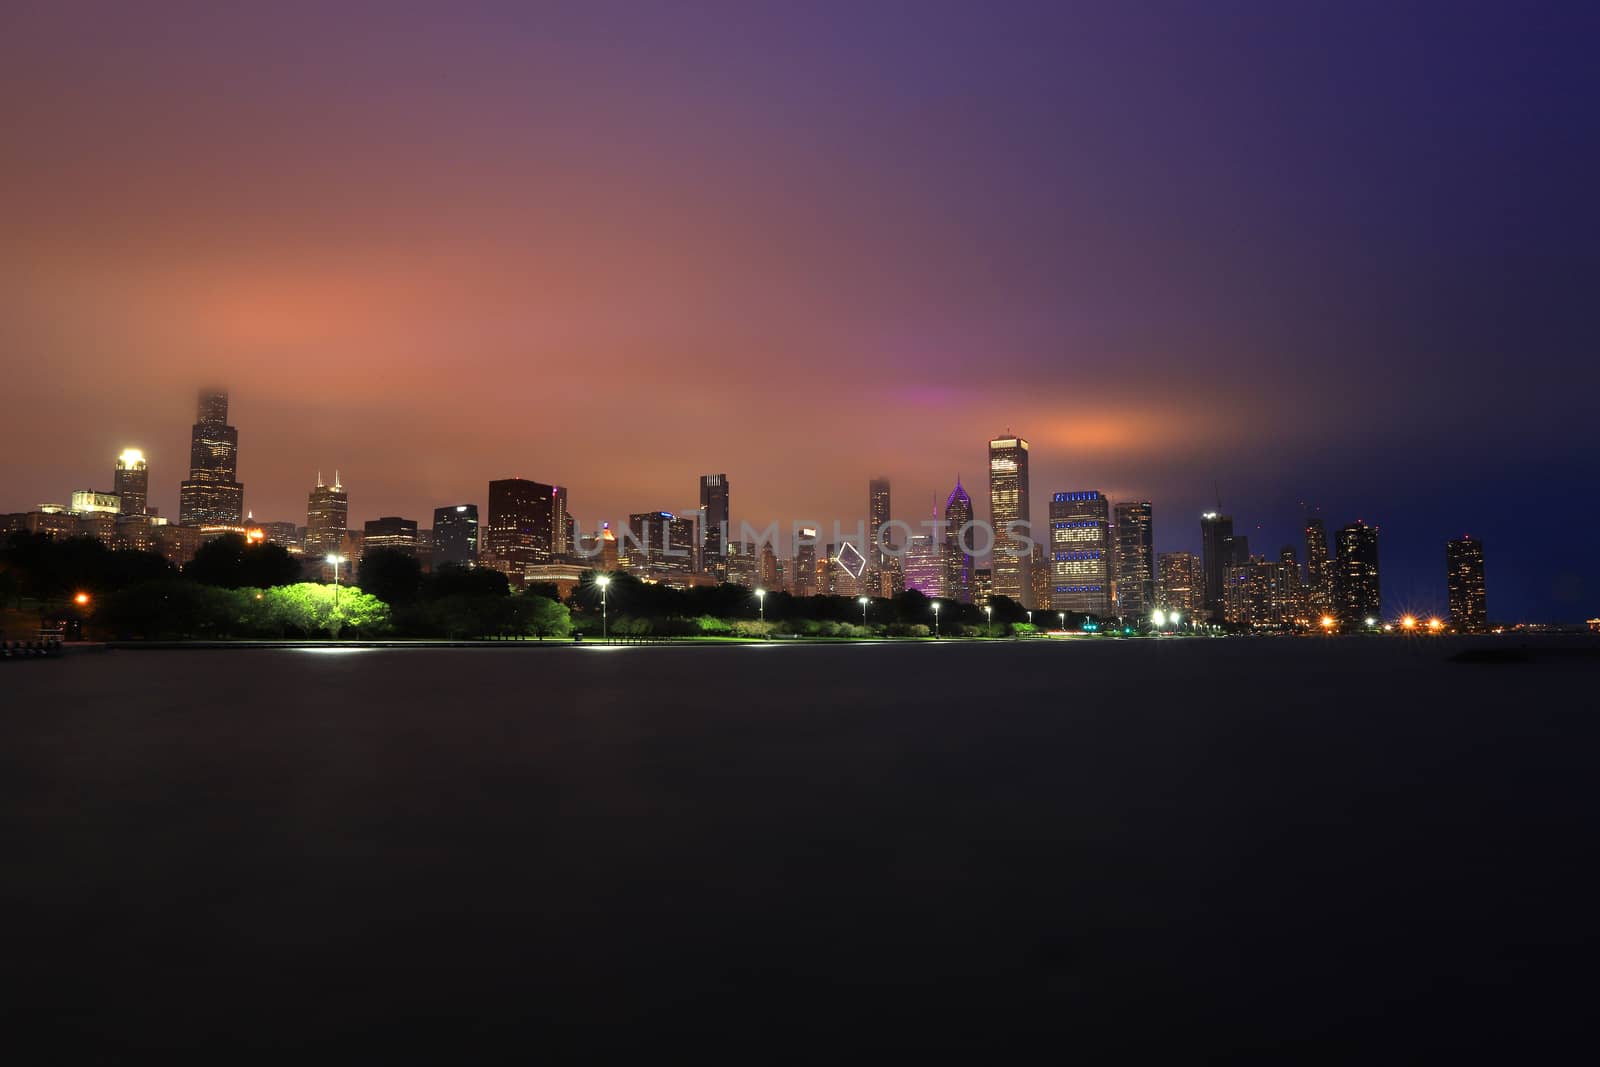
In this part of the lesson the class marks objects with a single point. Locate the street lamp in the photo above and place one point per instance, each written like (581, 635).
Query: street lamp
(936, 620)
(864, 602)
(1063, 621)
(602, 580)
(82, 600)
(336, 560)
(989, 611)
(761, 601)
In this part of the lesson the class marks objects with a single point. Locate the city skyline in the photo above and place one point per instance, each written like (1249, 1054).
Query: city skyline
(1344, 265)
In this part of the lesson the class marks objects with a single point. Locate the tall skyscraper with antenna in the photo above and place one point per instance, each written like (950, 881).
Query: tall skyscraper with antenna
(327, 518)
(212, 495)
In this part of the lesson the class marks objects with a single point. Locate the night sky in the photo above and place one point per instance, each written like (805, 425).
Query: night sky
(1337, 253)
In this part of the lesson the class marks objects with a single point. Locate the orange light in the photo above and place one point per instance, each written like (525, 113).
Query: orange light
(255, 536)
(1327, 622)
(1409, 622)
(81, 599)
(1435, 624)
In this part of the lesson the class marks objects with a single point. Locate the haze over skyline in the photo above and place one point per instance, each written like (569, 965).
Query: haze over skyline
(1340, 255)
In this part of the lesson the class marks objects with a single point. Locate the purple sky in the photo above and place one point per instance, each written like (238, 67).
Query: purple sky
(1340, 253)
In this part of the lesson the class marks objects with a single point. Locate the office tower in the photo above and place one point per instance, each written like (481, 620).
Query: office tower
(1008, 506)
(847, 571)
(212, 495)
(282, 533)
(1042, 574)
(714, 517)
(666, 544)
(391, 532)
(1469, 609)
(1216, 554)
(957, 542)
(805, 563)
(767, 576)
(983, 585)
(131, 482)
(1263, 594)
(1357, 594)
(877, 516)
(744, 564)
(327, 518)
(1180, 583)
(924, 566)
(527, 524)
(1319, 569)
(1080, 552)
(455, 535)
(1135, 582)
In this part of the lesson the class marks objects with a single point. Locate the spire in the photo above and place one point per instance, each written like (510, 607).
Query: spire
(319, 479)
(336, 484)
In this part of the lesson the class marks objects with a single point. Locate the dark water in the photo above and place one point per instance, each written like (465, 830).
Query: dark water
(1280, 851)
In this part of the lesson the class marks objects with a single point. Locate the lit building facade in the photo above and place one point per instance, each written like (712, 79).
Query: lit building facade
(924, 566)
(743, 564)
(1010, 561)
(455, 535)
(1134, 583)
(527, 524)
(390, 532)
(1319, 569)
(1357, 591)
(957, 542)
(327, 518)
(1263, 594)
(1216, 555)
(1469, 606)
(661, 545)
(212, 495)
(1080, 552)
(714, 522)
(131, 482)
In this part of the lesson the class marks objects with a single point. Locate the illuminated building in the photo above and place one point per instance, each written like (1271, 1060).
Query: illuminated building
(924, 566)
(455, 535)
(1262, 594)
(1134, 584)
(1080, 553)
(983, 585)
(805, 564)
(391, 532)
(527, 524)
(327, 518)
(131, 482)
(847, 571)
(743, 564)
(1319, 569)
(714, 521)
(178, 544)
(957, 540)
(1008, 506)
(1357, 593)
(90, 502)
(1469, 610)
(1219, 549)
(877, 516)
(212, 495)
(1041, 572)
(565, 576)
(662, 545)
(282, 533)
(770, 578)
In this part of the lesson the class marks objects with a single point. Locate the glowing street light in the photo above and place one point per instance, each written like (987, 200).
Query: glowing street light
(761, 603)
(864, 602)
(989, 611)
(1063, 620)
(602, 580)
(337, 561)
(1408, 623)
(82, 600)
(1435, 625)
(1327, 623)
(1158, 618)
(936, 620)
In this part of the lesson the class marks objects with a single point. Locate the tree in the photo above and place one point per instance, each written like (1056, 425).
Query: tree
(309, 607)
(231, 563)
(544, 617)
(391, 575)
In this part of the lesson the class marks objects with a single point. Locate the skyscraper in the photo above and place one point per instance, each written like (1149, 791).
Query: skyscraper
(957, 540)
(1216, 553)
(1008, 505)
(1180, 583)
(131, 482)
(1080, 552)
(391, 532)
(714, 516)
(455, 535)
(924, 566)
(1357, 593)
(1469, 609)
(327, 518)
(805, 564)
(1135, 584)
(1319, 569)
(212, 495)
(527, 524)
(877, 516)
(665, 544)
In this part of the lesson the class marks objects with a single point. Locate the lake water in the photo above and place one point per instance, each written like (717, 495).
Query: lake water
(1290, 850)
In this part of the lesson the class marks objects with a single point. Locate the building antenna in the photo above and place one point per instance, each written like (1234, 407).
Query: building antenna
(1215, 485)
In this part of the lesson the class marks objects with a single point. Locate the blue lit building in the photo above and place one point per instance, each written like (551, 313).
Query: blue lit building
(1080, 552)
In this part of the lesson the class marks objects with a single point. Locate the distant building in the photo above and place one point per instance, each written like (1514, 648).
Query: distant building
(743, 564)
(1080, 552)
(390, 532)
(957, 540)
(1319, 569)
(527, 524)
(1469, 610)
(769, 578)
(1134, 584)
(1357, 593)
(983, 585)
(805, 564)
(212, 495)
(286, 534)
(924, 566)
(714, 520)
(1008, 504)
(455, 535)
(878, 515)
(1262, 594)
(91, 502)
(131, 482)
(1180, 583)
(327, 519)
(663, 546)
(1219, 550)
